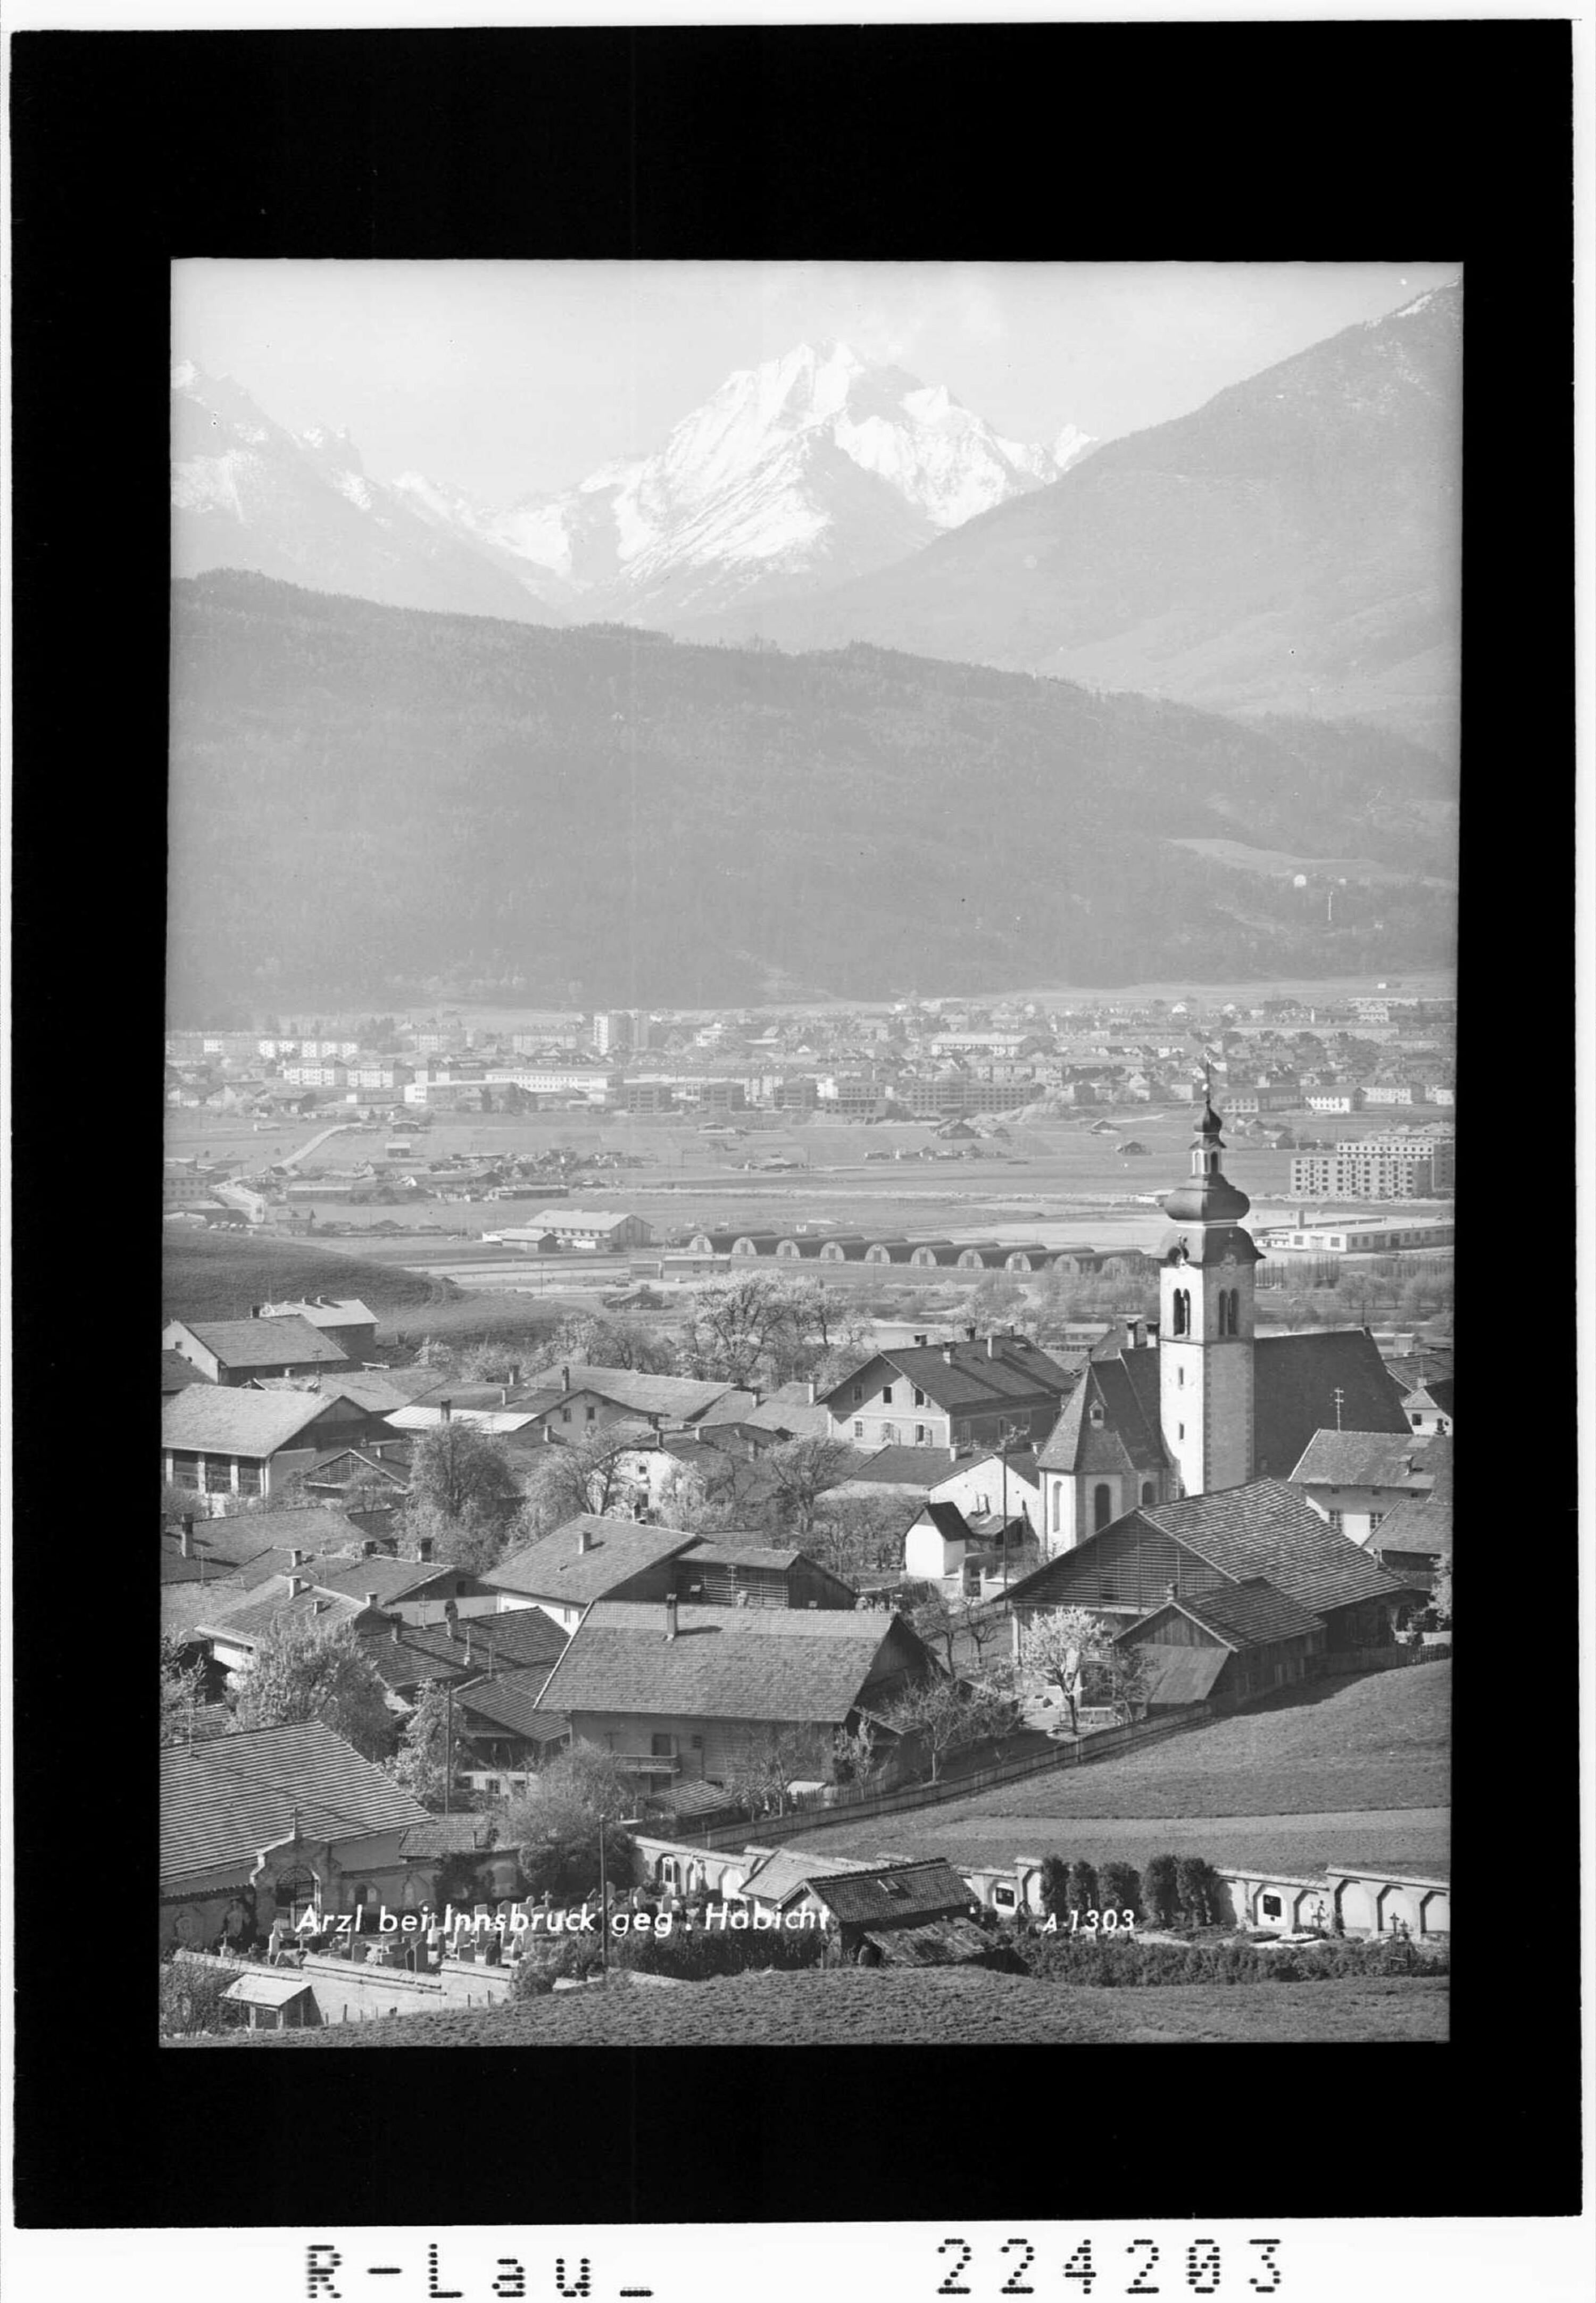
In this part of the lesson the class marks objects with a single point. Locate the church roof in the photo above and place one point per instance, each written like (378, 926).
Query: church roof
(1295, 1382)
(1127, 1438)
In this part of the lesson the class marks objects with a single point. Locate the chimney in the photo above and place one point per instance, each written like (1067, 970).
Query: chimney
(296, 1584)
(670, 1616)
(256, 1310)
(584, 1540)
(922, 1340)
(186, 1539)
(948, 1354)
(969, 1335)
(452, 1619)
(992, 1347)
(371, 1598)
(1172, 1591)
(565, 1379)
(395, 1633)
(468, 1643)
(811, 1389)
(424, 1550)
(445, 1407)
(296, 1558)
(515, 1375)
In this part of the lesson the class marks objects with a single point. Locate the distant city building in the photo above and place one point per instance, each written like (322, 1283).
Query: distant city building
(1377, 1168)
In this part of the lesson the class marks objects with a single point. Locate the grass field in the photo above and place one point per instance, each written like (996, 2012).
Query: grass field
(1363, 1762)
(218, 1276)
(945, 2007)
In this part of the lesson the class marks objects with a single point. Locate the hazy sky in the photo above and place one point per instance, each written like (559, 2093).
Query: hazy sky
(510, 378)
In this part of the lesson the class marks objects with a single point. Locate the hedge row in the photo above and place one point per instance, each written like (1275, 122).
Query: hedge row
(1121, 1959)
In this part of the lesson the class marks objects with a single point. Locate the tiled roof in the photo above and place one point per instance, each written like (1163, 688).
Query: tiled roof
(556, 1568)
(1295, 1382)
(185, 1606)
(949, 1522)
(266, 1343)
(450, 1834)
(683, 1398)
(389, 1579)
(779, 1872)
(510, 1703)
(791, 1409)
(267, 1989)
(972, 1382)
(891, 1894)
(274, 1608)
(1422, 1525)
(177, 1373)
(1127, 1438)
(512, 1640)
(919, 1468)
(951, 1941)
(225, 1419)
(235, 1795)
(722, 1551)
(1250, 1614)
(725, 1663)
(332, 1311)
(1267, 1528)
(1365, 1459)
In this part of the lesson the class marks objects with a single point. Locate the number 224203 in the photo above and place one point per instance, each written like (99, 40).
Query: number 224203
(1258, 2272)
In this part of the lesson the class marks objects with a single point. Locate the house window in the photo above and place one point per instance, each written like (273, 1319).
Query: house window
(1149, 1492)
(218, 1476)
(250, 1479)
(494, 1784)
(919, 1396)
(1374, 1520)
(859, 1393)
(565, 1415)
(919, 1435)
(1182, 1312)
(1180, 1431)
(859, 1431)
(1417, 1422)
(1003, 1899)
(888, 1434)
(1270, 1906)
(886, 1395)
(592, 1415)
(185, 1468)
(1102, 1506)
(1337, 1520)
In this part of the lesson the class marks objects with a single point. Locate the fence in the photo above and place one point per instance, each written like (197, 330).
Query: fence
(1346, 1660)
(815, 1811)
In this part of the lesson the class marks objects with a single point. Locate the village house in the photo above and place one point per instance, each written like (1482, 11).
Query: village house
(990, 1484)
(221, 1441)
(1207, 1543)
(348, 1321)
(895, 1914)
(1229, 1644)
(679, 1691)
(950, 1394)
(238, 1350)
(1356, 1477)
(272, 1823)
(589, 1558)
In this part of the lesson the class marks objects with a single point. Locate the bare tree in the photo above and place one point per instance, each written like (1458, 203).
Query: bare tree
(590, 1474)
(940, 1714)
(769, 1763)
(802, 1470)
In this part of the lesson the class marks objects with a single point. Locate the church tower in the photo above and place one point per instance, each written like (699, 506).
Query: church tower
(1206, 1324)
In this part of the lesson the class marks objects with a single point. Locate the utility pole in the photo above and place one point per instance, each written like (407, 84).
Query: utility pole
(448, 1744)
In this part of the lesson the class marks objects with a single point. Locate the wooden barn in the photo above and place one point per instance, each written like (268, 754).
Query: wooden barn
(1233, 1644)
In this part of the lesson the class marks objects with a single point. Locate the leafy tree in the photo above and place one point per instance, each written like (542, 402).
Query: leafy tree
(856, 1536)
(1051, 1647)
(589, 1474)
(1081, 1893)
(748, 1330)
(300, 1671)
(475, 1541)
(1160, 1892)
(857, 1758)
(1055, 1886)
(941, 1712)
(1120, 1886)
(770, 1761)
(181, 1686)
(192, 1998)
(579, 1798)
(1195, 1886)
(454, 1466)
(420, 1764)
(802, 1470)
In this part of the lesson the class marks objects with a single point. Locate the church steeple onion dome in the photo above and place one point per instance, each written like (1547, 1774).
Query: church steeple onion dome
(1208, 1196)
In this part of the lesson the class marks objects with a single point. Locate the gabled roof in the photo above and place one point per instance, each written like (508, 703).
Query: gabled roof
(1295, 1382)
(267, 1987)
(177, 1373)
(949, 1522)
(518, 1638)
(232, 1795)
(1181, 1674)
(511, 1701)
(333, 1311)
(273, 1607)
(390, 1580)
(1422, 1525)
(1247, 1615)
(228, 1420)
(556, 1567)
(916, 1468)
(889, 1894)
(1127, 1437)
(777, 1664)
(973, 1380)
(1021, 1463)
(778, 1872)
(450, 1834)
(1267, 1528)
(263, 1343)
(1365, 1459)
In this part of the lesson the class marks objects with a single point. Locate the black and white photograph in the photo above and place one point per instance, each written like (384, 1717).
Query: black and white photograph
(808, 1377)
(820, 748)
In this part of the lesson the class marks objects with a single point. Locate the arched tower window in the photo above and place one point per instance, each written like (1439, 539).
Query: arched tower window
(1102, 1507)
(1182, 1312)
(1149, 1492)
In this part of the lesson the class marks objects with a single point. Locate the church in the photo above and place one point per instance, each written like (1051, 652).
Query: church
(1203, 1402)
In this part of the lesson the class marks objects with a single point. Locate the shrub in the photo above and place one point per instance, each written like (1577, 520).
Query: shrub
(191, 1997)
(1120, 1886)
(1197, 1889)
(693, 1954)
(1081, 1893)
(1055, 1886)
(1161, 1890)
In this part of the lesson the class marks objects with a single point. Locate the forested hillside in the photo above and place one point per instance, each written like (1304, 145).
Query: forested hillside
(371, 802)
